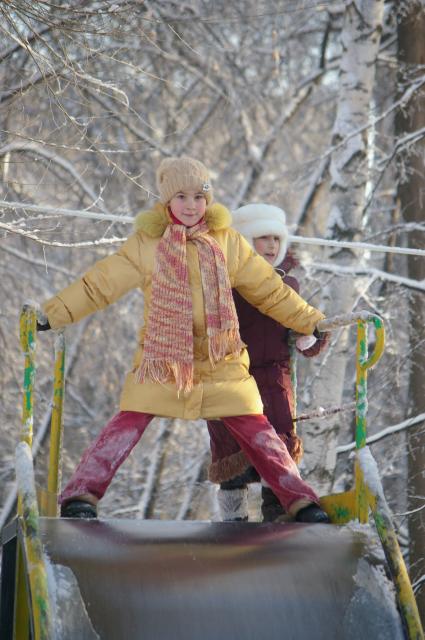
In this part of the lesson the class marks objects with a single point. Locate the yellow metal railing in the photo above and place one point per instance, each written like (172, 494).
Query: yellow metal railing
(56, 430)
(30, 560)
(368, 492)
(385, 528)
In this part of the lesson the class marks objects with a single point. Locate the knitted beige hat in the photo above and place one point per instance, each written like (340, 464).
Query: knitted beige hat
(178, 174)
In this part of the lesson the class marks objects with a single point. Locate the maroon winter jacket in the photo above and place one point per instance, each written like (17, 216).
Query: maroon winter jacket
(269, 355)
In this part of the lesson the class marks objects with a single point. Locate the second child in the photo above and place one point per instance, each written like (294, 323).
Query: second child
(268, 343)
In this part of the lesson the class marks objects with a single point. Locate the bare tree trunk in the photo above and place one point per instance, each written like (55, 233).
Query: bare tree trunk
(411, 193)
(360, 39)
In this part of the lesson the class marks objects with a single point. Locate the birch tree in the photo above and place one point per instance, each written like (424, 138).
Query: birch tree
(348, 176)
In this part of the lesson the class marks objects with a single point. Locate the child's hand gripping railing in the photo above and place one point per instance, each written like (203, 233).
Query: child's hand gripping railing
(28, 506)
(368, 492)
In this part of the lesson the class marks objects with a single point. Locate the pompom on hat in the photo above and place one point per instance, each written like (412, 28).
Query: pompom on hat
(257, 220)
(181, 174)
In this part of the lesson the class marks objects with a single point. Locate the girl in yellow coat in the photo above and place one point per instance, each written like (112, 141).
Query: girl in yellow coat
(190, 361)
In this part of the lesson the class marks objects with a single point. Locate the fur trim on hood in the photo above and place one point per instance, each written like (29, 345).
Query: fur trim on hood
(257, 220)
(155, 221)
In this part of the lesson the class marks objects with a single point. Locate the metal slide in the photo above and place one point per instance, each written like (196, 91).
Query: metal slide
(154, 580)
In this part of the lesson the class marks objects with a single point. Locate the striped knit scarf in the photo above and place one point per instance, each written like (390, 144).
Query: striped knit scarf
(168, 346)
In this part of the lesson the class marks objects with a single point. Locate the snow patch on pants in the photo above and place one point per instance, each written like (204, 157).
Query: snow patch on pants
(263, 440)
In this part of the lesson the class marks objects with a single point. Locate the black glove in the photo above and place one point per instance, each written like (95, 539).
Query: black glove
(43, 327)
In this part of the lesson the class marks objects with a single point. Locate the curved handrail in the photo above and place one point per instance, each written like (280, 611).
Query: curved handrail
(379, 344)
(368, 486)
(363, 363)
(345, 319)
(359, 317)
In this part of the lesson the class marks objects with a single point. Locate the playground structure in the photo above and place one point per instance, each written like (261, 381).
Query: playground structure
(158, 580)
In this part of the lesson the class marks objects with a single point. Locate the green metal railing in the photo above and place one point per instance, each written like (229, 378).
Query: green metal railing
(368, 492)
(32, 562)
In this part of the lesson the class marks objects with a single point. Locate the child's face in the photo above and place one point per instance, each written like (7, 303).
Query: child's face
(268, 247)
(188, 207)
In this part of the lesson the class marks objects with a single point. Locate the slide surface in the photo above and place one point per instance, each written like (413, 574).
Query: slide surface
(160, 580)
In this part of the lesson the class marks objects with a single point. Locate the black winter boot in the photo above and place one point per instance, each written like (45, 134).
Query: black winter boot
(78, 509)
(271, 509)
(312, 514)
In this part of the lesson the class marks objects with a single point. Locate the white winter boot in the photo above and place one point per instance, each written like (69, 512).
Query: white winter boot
(233, 504)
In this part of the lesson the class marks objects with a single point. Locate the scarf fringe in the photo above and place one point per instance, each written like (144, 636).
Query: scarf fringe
(224, 343)
(221, 344)
(161, 371)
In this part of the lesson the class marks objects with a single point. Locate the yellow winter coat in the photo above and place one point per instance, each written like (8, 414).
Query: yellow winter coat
(224, 390)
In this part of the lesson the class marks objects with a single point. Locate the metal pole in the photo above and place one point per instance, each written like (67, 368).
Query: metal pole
(56, 429)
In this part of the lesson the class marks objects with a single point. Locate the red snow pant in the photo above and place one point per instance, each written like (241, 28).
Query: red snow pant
(255, 435)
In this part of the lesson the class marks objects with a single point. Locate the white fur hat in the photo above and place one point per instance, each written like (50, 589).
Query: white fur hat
(257, 220)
